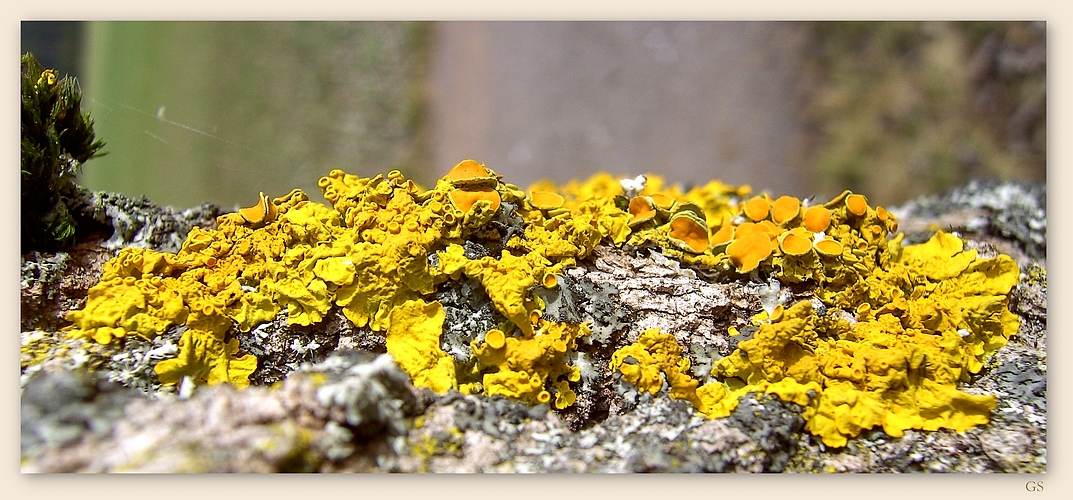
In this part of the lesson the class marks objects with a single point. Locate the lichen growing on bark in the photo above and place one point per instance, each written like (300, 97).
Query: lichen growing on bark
(853, 354)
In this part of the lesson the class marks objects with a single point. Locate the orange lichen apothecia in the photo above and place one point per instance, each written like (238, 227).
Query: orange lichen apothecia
(901, 325)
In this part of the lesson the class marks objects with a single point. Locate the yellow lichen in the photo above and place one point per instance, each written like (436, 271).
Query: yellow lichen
(905, 324)
(817, 218)
(688, 233)
(507, 280)
(205, 358)
(368, 255)
(465, 199)
(784, 209)
(899, 365)
(469, 173)
(857, 204)
(663, 201)
(523, 367)
(795, 242)
(723, 236)
(828, 247)
(546, 200)
(261, 213)
(747, 252)
(655, 362)
(757, 208)
(413, 339)
(642, 209)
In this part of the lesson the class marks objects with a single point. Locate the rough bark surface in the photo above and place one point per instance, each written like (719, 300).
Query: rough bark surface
(325, 397)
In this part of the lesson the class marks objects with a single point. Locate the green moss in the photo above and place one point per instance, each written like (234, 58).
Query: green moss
(57, 138)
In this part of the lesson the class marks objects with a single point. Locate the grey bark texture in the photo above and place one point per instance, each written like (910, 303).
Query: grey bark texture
(326, 398)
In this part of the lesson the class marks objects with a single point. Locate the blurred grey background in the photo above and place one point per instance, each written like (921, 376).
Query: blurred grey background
(218, 111)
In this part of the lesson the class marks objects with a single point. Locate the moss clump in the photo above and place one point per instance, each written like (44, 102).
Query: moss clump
(57, 138)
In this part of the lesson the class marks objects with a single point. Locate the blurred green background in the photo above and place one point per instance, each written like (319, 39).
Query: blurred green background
(904, 109)
(217, 111)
